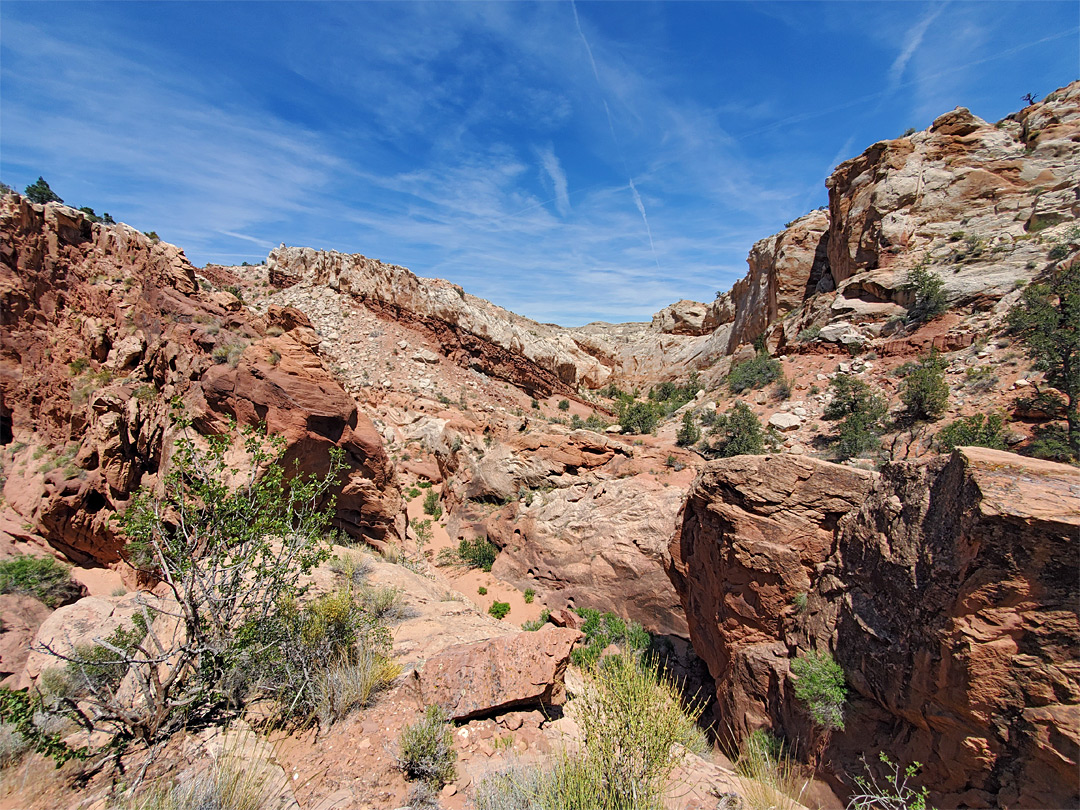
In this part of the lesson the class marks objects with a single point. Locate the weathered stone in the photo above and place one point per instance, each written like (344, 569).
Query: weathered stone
(488, 677)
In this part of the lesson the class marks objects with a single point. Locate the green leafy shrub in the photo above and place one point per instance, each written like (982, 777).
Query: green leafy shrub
(1047, 320)
(821, 687)
(1051, 442)
(737, 432)
(809, 335)
(431, 504)
(482, 590)
(98, 669)
(426, 749)
(672, 396)
(1058, 252)
(305, 656)
(232, 561)
(639, 417)
(536, 624)
(689, 433)
(476, 553)
(929, 294)
(18, 713)
(756, 372)
(924, 392)
(564, 404)
(41, 577)
(976, 430)
(499, 610)
(529, 595)
(603, 629)
(859, 412)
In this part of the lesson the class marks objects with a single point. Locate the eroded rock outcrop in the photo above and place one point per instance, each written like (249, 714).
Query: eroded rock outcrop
(540, 358)
(598, 545)
(750, 539)
(949, 597)
(103, 328)
(964, 194)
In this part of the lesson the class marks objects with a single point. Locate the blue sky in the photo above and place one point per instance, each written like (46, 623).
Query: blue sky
(572, 163)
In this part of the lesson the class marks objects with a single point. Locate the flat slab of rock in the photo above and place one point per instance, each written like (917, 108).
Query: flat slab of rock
(486, 677)
(784, 421)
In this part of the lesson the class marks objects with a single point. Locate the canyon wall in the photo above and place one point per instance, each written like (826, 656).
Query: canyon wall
(945, 589)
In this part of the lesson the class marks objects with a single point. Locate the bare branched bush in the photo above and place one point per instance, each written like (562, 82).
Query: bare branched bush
(231, 559)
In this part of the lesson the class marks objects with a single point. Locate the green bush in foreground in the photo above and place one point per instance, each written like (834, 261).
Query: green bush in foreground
(633, 725)
(41, 577)
(821, 687)
(232, 562)
(892, 791)
(426, 749)
(499, 610)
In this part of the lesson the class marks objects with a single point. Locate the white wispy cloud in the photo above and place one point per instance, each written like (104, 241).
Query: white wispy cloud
(554, 171)
(912, 40)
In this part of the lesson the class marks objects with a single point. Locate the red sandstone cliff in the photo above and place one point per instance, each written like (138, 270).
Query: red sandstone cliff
(945, 589)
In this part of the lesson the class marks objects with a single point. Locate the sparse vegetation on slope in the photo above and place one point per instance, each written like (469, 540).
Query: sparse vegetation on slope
(757, 372)
(737, 432)
(426, 749)
(41, 577)
(924, 392)
(859, 412)
(978, 429)
(603, 629)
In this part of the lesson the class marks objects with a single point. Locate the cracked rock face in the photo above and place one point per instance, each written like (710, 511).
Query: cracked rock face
(946, 589)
